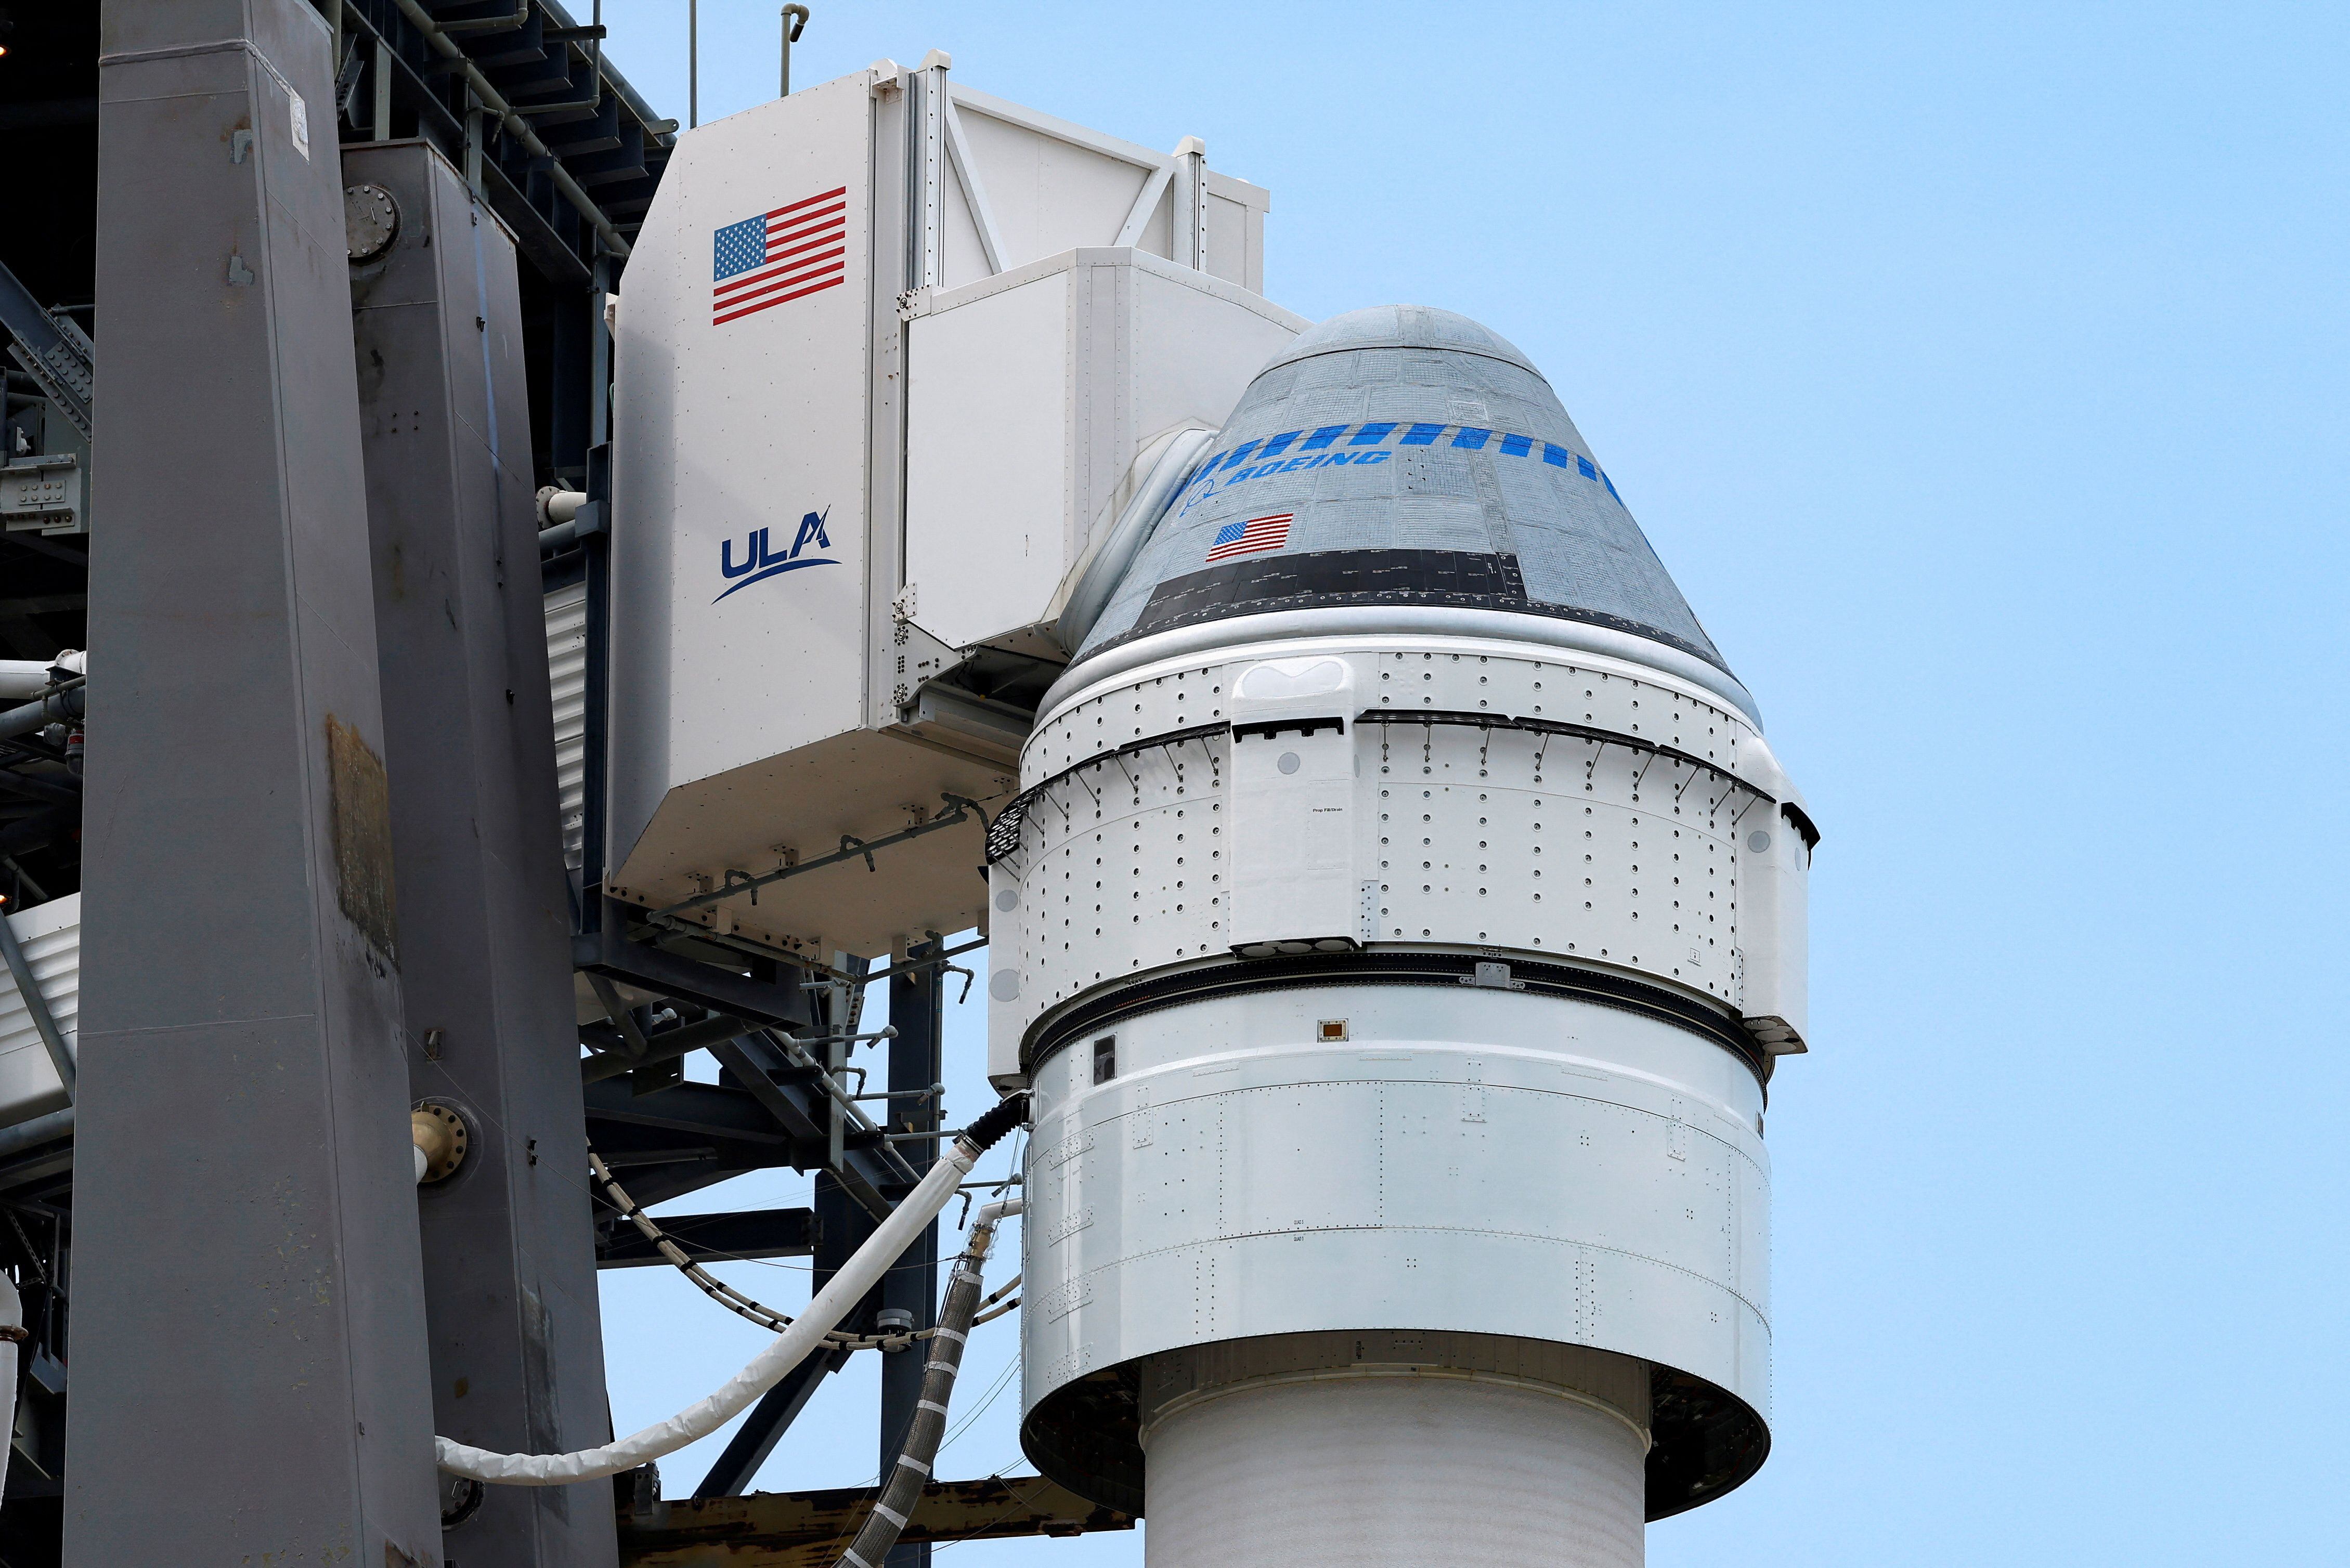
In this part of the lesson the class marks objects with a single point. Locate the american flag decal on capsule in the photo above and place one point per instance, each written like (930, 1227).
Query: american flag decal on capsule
(1249, 538)
(776, 257)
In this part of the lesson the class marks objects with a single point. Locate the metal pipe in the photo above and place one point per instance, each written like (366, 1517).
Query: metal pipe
(63, 704)
(595, 98)
(933, 1091)
(910, 965)
(850, 849)
(492, 24)
(23, 880)
(619, 85)
(802, 1057)
(557, 505)
(792, 31)
(379, 104)
(693, 63)
(863, 1271)
(674, 927)
(666, 1046)
(36, 1132)
(37, 1006)
(517, 126)
(903, 1489)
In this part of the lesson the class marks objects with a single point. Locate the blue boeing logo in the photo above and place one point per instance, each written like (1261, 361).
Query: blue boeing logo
(761, 560)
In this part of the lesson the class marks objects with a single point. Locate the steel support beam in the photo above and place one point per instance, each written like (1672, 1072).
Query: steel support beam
(605, 949)
(757, 1438)
(917, 1062)
(745, 1235)
(808, 1528)
(251, 1382)
(509, 1239)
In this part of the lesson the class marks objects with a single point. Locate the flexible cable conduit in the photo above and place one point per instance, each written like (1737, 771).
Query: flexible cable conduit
(881, 1250)
(903, 1489)
(718, 1290)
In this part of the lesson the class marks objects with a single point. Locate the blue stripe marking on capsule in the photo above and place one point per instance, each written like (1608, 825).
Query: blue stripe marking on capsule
(1517, 445)
(1557, 456)
(1279, 443)
(1240, 455)
(1372, 435)
(1611, 488)
(1583, 465)
(1322, 438)
(1474, 439)
(1422, 435)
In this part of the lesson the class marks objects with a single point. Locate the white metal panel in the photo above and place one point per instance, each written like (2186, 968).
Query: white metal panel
(984, 243)
(1050, 193)
(1188, 335)
(566, 672)
(1776, 939)
(1292, 799)
(1233, 214)
(1491, 838)
(1472, 1160)
(966, 254)
(739, 630)
(1068, 184)
(1034, 395)
(987, 468)
(797, 807)
(50, 935)
(1052, 185)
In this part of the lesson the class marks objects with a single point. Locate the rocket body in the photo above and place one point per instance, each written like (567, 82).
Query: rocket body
(1398, 924)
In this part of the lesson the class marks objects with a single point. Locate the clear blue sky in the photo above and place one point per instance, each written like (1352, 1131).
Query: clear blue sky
(1980, 374)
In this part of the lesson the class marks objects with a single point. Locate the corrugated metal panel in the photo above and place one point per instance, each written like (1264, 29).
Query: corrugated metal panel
(50, 935)
(566, 669)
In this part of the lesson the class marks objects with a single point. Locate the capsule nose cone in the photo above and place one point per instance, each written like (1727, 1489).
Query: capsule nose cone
(1398, 456)
(1401, 327)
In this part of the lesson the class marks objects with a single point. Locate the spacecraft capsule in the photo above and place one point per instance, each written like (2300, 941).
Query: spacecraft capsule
(1398, 924)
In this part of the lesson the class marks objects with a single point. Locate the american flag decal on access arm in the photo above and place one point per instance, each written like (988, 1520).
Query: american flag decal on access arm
(779, 256)
(1258, 533)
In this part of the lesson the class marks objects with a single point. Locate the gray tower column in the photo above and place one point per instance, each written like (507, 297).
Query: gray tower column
(485, 958)
(916, 1061)
(249, 1366)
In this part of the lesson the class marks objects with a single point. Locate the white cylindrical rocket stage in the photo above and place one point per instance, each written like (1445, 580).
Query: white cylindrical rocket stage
(1397, 927)
(1367, 1469)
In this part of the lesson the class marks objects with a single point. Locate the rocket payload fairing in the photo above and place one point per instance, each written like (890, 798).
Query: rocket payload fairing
(1396, 926)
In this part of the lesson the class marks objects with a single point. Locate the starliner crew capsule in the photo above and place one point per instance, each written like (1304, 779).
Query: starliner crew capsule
(1398, 922)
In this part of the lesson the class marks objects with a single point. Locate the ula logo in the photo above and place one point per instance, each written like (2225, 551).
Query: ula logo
(761, 560)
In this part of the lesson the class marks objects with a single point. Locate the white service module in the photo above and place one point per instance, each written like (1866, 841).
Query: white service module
(892, 355)
(1396, 930)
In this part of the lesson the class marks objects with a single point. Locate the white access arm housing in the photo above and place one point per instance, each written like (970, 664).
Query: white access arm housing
(892, 358)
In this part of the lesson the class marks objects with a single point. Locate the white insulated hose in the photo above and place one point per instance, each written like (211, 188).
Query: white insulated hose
(875, 1258)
